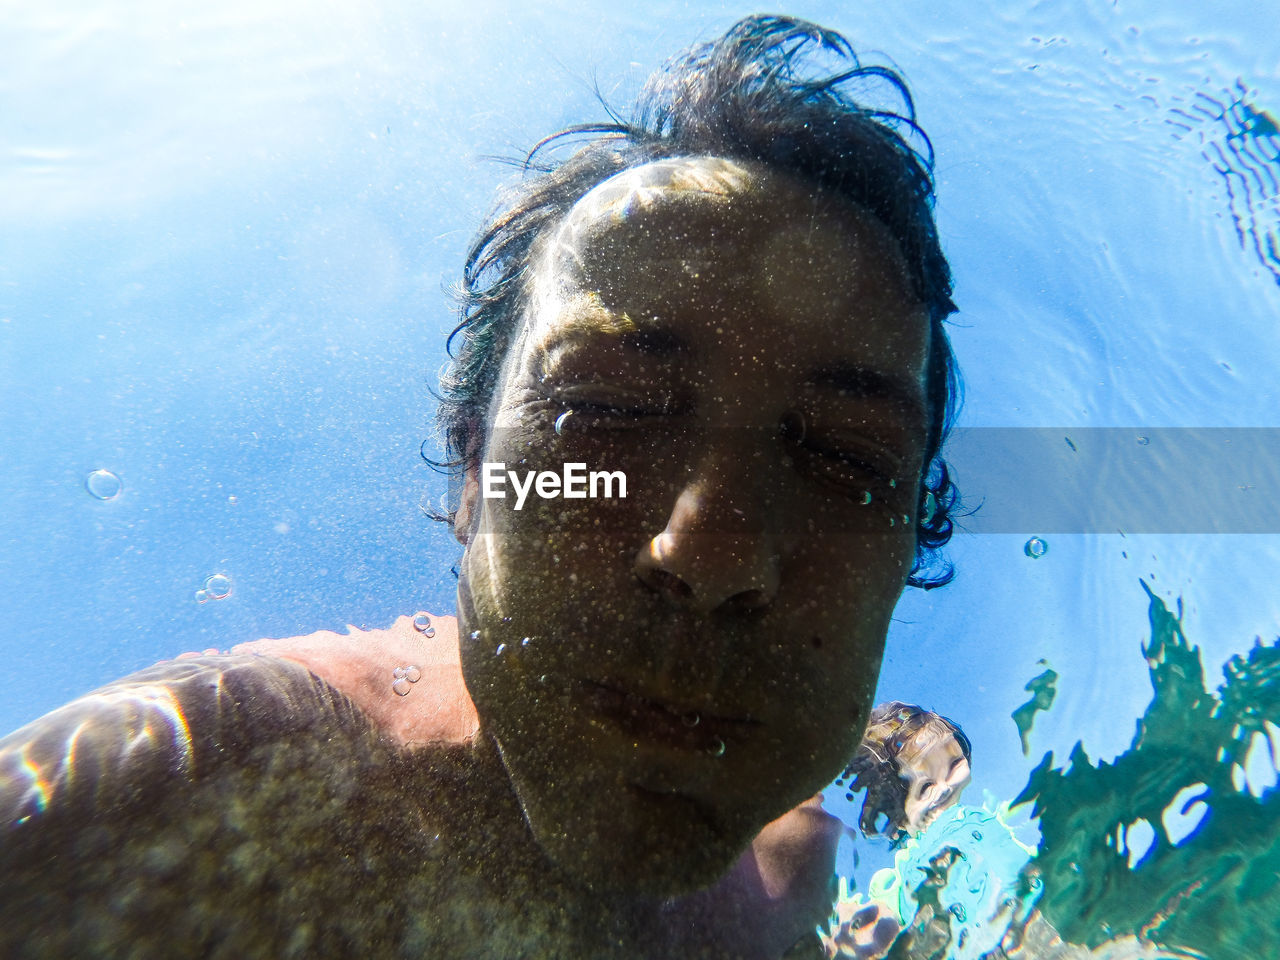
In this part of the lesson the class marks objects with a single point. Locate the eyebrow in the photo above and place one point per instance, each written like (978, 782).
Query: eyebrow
(649, 338)
(866, 383)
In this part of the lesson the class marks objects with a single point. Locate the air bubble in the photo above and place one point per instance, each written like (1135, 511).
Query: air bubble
(866, 497)
(977, 834)
(716, 749)
(1035, 548)
(691, 719)
(893, 483)
(401, 686)
(501, 648)
(399, 673)
(1143, 441)
(103, 484)
(928, 508)
(524, 642)
(475, 634)
(412, 673)
(560, 420)
(421, 622)
(219, 586)
(202, 596)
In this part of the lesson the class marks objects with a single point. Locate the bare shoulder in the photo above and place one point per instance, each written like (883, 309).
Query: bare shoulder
(239, 805)
(409, 684)
(175, 721)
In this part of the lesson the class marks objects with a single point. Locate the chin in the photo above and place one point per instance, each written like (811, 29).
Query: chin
(670, 873)
(656, 845)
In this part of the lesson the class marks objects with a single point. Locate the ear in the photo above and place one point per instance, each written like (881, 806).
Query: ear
(468, 513)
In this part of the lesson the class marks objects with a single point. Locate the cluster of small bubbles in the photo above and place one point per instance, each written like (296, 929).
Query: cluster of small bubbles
(475, 634)
(716, 749)
(422, 623)
(1143, 441)
(501, 648)
(866, 497)
(560, 420)
(403, 678)
(1035, 548)
(218, 586)
(103, 484)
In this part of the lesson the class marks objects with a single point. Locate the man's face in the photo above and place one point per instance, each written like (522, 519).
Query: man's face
(666, 673)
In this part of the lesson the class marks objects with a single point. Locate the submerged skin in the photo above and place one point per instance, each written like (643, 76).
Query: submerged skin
(276, 811)
(936, 771)
(742, 347)
(701, 655)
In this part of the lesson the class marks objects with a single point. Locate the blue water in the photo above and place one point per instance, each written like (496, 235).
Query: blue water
(226, 235)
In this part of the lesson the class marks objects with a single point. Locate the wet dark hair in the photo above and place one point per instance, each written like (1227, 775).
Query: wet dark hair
(875, 768)
(759, 93)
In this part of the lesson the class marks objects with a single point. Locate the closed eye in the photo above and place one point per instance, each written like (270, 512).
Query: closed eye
(579, 410)
(858, 471)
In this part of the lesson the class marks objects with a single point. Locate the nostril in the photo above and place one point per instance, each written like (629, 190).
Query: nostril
(749, 600)
(664, 581)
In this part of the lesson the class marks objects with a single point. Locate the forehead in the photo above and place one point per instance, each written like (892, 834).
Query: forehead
(932, 743)
(709, 232)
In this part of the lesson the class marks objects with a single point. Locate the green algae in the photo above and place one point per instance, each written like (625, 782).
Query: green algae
(1042, 689)
(1209, 877)
(1170, 850)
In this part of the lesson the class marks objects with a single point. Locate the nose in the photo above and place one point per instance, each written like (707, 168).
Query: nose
(937, 796)
(716, 550)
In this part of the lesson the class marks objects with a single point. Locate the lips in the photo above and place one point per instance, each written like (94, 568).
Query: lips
(653, 720)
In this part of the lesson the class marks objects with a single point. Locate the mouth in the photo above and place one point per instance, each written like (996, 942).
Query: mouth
(656, 721)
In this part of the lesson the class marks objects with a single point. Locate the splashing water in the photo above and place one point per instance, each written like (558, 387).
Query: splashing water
(1169, 851)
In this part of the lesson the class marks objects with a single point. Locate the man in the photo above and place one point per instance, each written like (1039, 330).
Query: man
(735, 303)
